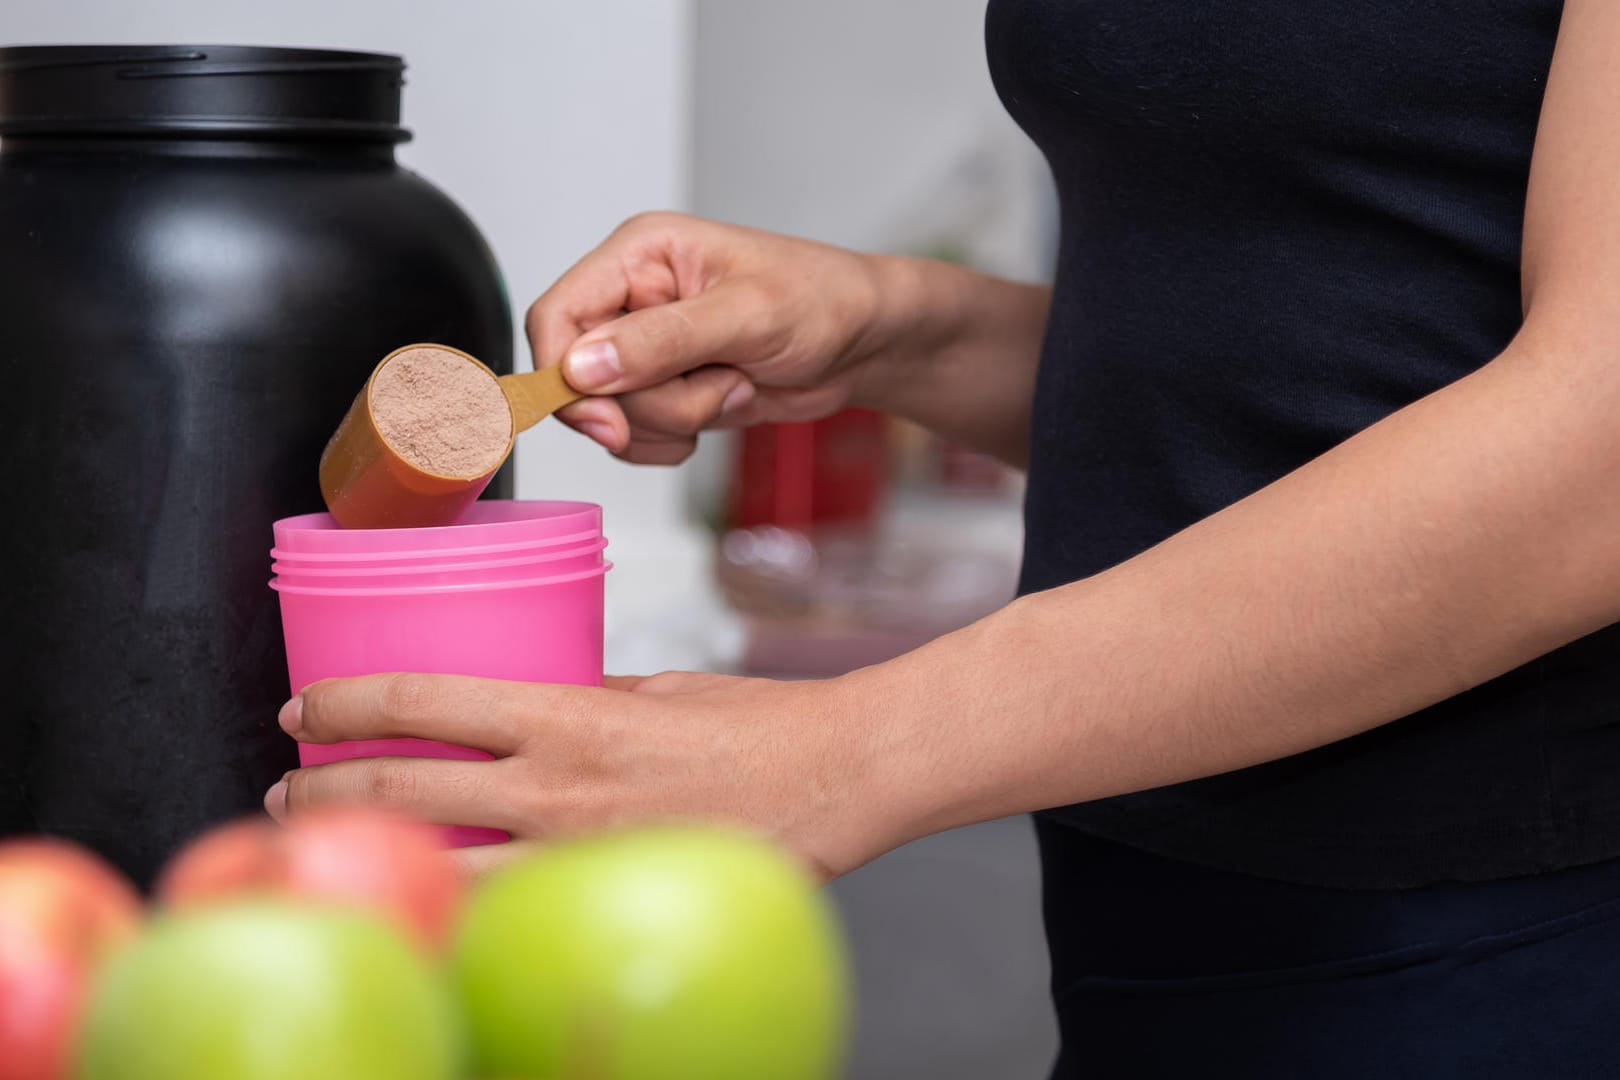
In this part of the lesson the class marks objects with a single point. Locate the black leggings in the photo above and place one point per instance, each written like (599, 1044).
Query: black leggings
(1164, 969)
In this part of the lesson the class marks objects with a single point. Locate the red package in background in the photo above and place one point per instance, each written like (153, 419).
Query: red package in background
(824, 472)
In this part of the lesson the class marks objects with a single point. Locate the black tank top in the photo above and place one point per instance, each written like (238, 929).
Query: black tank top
(1283, 220)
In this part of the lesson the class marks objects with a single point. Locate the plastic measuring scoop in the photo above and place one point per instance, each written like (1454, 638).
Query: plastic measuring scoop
(369, 483)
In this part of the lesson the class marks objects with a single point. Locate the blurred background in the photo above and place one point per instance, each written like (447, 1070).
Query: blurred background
(798, 551)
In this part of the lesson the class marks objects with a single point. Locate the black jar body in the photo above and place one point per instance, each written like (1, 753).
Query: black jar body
(183, 321)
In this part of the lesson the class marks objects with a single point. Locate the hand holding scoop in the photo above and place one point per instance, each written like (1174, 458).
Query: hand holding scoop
(426, 434)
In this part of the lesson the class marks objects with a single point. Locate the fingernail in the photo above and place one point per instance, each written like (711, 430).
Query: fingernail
(740, 395)
(602, 433)
(291, 717)
(593, 366)
(275, 800)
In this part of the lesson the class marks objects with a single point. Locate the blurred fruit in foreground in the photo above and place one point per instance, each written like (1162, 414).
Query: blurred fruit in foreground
(345, 855)
(270, 990)
(62, 911)
(653, 955)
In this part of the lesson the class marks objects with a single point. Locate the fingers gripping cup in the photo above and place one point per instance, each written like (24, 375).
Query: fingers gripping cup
(513, 592)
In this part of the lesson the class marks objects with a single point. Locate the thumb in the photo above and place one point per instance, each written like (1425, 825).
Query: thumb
(655, 344)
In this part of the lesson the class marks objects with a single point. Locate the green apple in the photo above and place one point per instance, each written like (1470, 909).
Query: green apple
(658, 954)
(269, 990)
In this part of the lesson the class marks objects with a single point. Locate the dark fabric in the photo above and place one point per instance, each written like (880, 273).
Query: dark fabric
(1163, 969)
(1283, 220)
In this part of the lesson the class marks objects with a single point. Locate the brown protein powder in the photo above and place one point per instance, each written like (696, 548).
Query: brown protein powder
(441, 413)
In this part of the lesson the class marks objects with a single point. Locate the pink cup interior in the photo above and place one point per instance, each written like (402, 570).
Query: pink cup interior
(493, 521)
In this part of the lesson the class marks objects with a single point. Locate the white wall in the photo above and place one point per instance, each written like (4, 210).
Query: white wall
(548, 121)
(870, 125)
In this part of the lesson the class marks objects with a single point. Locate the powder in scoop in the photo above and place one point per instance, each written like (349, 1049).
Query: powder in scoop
(441, 413)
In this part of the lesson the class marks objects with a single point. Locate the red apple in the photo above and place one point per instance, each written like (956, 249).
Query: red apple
(347, 855)
(62, 910)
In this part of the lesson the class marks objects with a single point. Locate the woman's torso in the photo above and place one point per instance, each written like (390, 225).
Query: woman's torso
(1283, 220)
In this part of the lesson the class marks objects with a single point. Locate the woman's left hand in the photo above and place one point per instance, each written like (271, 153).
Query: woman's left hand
(785, 759)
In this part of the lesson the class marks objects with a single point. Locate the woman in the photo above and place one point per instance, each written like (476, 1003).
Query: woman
(1309, 681)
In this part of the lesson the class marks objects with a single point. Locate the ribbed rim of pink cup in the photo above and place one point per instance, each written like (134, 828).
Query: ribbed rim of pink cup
(400, 558)
(495, 521)
(429, 590)
(285, 571)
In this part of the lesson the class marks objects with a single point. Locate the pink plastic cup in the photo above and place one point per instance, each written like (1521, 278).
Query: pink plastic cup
(492, 522)
(468, 572)
(428, 555)
(532, 623)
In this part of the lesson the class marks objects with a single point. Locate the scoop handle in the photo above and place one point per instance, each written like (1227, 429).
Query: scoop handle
(535, 395)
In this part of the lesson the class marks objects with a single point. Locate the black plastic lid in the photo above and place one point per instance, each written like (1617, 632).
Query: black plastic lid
(200, 91)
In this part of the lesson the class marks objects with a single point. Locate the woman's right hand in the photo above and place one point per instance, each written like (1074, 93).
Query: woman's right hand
(691, 324)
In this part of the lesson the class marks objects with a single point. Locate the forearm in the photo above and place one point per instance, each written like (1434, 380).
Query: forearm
(1457, 539)
(956, 351)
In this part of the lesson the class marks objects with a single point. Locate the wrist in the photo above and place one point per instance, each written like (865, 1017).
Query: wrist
(944, 746)
(908, 325)
(881, 778)
(901, 735)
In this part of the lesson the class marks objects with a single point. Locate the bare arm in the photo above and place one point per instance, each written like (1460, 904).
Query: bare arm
(692, 324)
(1460, 537)
(965, 347)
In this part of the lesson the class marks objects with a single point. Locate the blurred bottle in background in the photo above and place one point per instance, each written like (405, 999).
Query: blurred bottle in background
(850, 540)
